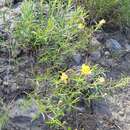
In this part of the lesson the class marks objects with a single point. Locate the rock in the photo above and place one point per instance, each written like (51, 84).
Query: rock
(8, 2)
(108, 62)
(95, 56)
(80, 109)
(127, 46)
(16, 1)
(121, 113)
(77, 58)
(124, 63)
(21, 116)
(101, 108)
(2, 3)
(14, 87)
(1, 81)
(3, 69)
(30, 83)
(23, 108)
(17, 10)
(124, 66)
(107, 53)
(127, 33)
(119, 107)
(94, 42)
(101, 36)
(127, 57)
(4, 35)
(10, 14)
(113, 45)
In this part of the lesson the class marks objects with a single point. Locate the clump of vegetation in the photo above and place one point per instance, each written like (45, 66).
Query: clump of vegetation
(68, 88)
(71, 87)
(125, 12)
(112, 10)
(3, 114)
(100, 8)
(56, 27)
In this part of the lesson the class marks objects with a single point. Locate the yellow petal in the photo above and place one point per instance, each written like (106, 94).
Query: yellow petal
(64, 77)
(81, 26)
(85, 70)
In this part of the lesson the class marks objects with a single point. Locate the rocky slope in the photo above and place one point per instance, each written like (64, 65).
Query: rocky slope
(17, 77)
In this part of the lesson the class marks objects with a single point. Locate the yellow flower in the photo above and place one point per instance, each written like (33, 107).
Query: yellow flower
(85, 70)
(64, 77)
(81, 26)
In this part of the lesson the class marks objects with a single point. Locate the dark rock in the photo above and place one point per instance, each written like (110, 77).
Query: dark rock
(127, 47)
(4, 35)
(39, 120)
(95, 56)
(21, 116)
(16, 1)
(101, 108)
(77, 58)
(21, 119)
(113, 45)
(19, 110)
(127, 57)
(108, 62)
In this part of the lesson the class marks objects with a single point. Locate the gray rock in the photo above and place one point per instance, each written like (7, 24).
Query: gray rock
(101, 108)
(80, 109)
(77, 58)
(127, 57)
(127, 33)
(2, 3)
(22, 115)
(19, 110)
(107, 54)
(10, 15)
(127, 46)
(95, 56)
(119, 107)
(113, 45)
(94, 42)
(1, 81)
(121, 113)
(108, 62)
